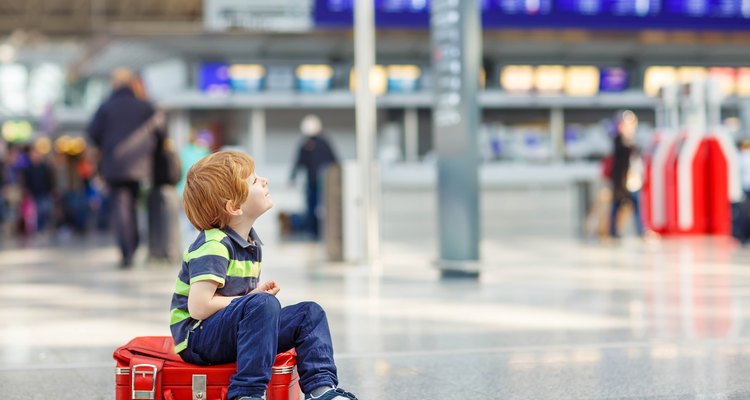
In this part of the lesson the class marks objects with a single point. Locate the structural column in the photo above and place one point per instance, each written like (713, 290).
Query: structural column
(364, 60)
(557, 132)
(258, 135)
(411, 135)
(456, 52)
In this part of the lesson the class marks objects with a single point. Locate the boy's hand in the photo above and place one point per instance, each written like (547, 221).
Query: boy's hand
(269, 287)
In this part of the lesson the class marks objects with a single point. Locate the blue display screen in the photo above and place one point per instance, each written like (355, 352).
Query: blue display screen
(586, 14)
(517, 7)
(620, 8)
(709, 8)
(613, 80)
(214, 78)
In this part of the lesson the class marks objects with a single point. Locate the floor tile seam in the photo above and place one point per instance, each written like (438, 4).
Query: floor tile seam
(681, 396)
(541, 348)
(430, 353)
(58, 366)
(421, 374)
(485, 393)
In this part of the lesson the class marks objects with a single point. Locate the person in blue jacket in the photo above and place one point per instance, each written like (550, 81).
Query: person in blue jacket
(626, 181)
(314, 154)
(124, 130)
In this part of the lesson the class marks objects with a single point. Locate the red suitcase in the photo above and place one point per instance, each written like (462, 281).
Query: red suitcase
(148, 369)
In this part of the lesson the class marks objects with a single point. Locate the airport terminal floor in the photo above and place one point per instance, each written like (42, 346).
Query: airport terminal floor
(526, 123)
(549, 318)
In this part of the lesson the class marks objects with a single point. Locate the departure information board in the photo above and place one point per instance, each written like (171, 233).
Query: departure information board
(622, 8)
(517, 7)
(585, 14)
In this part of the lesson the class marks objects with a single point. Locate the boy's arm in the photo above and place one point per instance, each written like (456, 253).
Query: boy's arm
(270, 287)
(202, 301)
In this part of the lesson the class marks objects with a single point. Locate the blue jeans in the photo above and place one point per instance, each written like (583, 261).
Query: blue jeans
(251, 330)
(312, 199)
(124, 197)
(617, 203)
(44, 209)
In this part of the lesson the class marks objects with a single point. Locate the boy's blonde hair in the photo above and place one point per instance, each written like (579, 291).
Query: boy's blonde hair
(211, 182)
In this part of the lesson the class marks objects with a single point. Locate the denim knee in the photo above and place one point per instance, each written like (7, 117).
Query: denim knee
(313, 310)
(263, 303)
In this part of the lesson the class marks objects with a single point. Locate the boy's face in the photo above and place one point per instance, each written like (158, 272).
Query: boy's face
(258, 198)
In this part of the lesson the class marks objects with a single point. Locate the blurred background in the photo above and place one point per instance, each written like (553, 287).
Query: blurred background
(613, 162)
(245, 73)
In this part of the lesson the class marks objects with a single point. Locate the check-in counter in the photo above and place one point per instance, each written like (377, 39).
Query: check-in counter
(420, 176)
(537, 196)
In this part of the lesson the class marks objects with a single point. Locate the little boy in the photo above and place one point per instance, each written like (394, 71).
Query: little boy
(220, 314)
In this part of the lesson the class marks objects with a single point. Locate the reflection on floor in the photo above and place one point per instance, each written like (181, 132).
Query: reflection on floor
(549, 319)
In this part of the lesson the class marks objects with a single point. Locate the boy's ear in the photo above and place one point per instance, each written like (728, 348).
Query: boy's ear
(231, 210)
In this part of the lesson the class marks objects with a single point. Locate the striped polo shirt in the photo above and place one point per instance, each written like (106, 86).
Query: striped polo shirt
(221, 256)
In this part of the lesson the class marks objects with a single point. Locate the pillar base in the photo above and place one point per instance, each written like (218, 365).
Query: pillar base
(454, 269)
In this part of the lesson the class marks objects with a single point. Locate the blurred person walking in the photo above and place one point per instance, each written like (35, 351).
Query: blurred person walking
(85, 174)
(3, 185)
(72, 173)
(39, 183)
(125, 129)
(627, 171)
(314, 155)
(27, 221)
(16, 161)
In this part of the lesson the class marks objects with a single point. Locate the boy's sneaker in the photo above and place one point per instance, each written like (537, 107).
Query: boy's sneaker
(333, 394)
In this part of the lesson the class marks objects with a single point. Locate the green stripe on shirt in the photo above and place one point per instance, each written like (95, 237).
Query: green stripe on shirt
(210, 248)
(180, 347)
(243, 269)
(208, 277)
(181, 288)
(178, 316)
(215, 234)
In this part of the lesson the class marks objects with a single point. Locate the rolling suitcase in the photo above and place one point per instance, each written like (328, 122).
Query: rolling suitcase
(147, 368)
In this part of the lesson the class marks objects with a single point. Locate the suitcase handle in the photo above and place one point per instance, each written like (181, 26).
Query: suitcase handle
(168, 395)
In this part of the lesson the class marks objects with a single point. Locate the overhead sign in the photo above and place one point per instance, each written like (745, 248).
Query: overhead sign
(257, 15)
(584, 14)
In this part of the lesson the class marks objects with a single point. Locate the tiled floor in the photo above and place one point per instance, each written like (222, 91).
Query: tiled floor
(550, 318)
